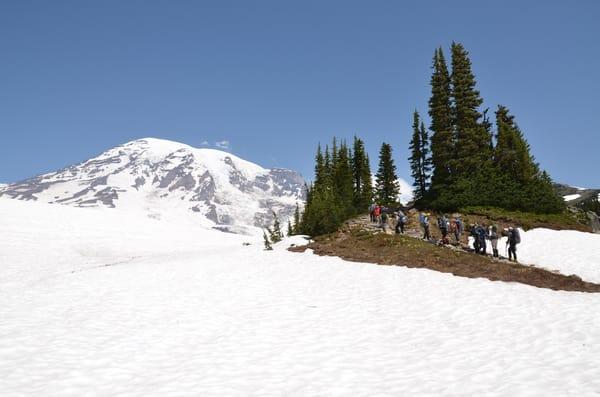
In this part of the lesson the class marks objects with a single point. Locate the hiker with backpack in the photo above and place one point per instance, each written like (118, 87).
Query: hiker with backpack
(401, 222)
(384, 220)
(424, 218)
(444, 225)
(456, 228)
(377, 213)
(514, 238)
(481, 235)
(372, 212)
(493, 237)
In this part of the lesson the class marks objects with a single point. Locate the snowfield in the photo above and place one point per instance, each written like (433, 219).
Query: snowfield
(571, 197)
(97, 301)
(565, 251)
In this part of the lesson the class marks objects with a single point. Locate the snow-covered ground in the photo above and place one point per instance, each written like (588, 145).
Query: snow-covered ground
(570, 197)
(103, 302)
(566, 251)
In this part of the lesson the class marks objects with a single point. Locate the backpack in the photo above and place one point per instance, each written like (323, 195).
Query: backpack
(480, 233)
(459, 225)
(422, 219)
(403, 219)
(516, 236)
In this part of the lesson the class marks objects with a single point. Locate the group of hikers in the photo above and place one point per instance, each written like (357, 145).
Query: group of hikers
(451, 227)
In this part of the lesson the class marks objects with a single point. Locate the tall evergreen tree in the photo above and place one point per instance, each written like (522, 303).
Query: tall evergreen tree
(512, 152)
(440, 112)
(266, 241)
(320, 167)
(343, 182)
(419, 160)
(386, 180)
(322, 213)
(296, 228)
(334, 152)
(361, 173)
(275, 233)
(472, 140)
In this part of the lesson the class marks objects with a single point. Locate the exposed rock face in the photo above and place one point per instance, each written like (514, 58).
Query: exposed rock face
(161, 176)
(577, 198)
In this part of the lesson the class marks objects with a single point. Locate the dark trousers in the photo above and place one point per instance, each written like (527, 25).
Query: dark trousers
(512, 251)
(426, 232)
(482, 247)
(476, 245)
(399, 228)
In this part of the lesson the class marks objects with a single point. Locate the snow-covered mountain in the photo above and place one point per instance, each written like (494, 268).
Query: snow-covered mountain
(163, 178)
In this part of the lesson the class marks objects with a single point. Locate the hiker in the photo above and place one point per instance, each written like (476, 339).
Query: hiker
(384, 220)
(372, 212)
(401, 222)
(377, 213)
(456, 227)
(514, 238)
(443, 224)
(473, 232)
(425, 225)
(481, 235)
(493, 237)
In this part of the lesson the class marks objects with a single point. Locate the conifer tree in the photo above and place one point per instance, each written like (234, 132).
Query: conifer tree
(472, 140)
(290, 230)
(322, 213)
(320, 167)
(296, 228)
(266, 241)
(275, 234)
(419, 160)
(512, 153)
(361, 171)
(440, 112)
(343, 182)
(524, 186)
(334, 153)
(386, 182)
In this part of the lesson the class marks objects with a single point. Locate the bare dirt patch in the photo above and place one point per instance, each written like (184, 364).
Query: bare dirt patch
(354, 243)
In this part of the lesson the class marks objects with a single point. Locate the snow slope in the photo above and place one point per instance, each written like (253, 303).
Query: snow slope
(566, 251)
(161, 177)
(96, 301)
(571, 197)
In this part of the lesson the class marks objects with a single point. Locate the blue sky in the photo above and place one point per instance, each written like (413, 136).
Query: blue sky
(270, 79)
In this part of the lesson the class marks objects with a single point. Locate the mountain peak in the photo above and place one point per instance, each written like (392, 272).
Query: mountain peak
(162, 177)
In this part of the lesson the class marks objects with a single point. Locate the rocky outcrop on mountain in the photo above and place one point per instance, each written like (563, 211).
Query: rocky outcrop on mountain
(163, 177)
(584, 201)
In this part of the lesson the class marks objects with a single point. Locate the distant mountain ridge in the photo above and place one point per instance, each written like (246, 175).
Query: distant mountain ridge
(575, 195)
(160, 176)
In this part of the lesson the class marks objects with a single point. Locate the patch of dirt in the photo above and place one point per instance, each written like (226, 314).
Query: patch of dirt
(354, 242)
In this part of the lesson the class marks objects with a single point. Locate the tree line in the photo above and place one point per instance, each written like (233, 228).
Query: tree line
(343, 186)
(460, 160)
(465, 162)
